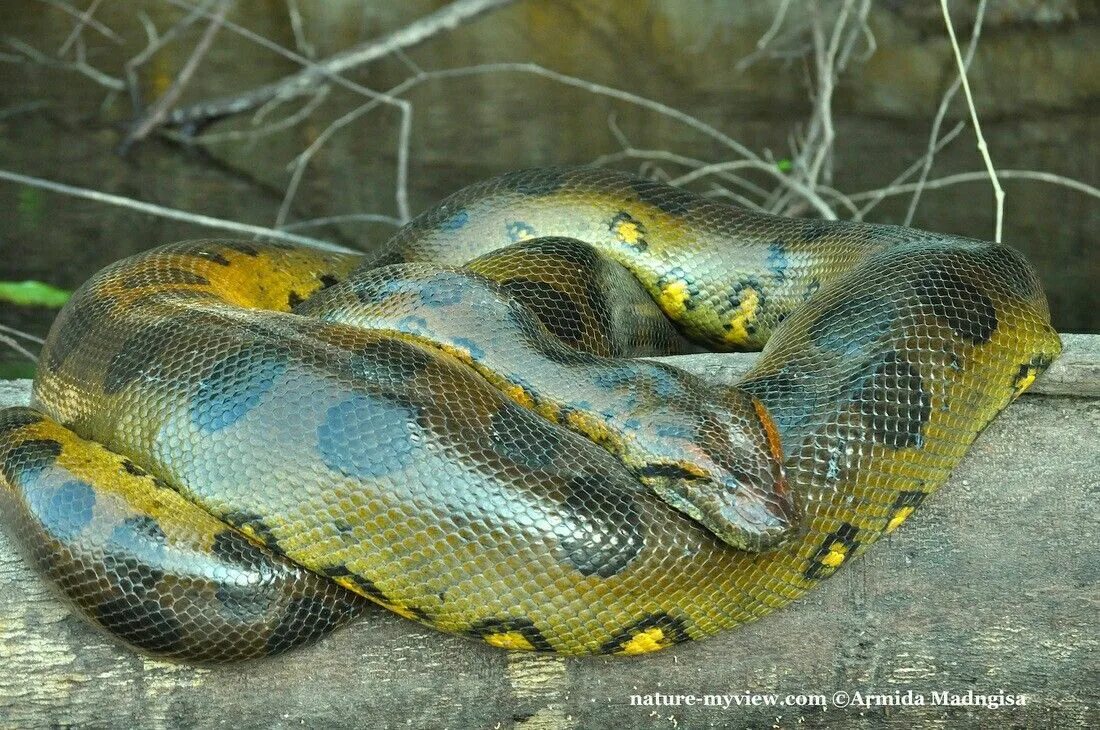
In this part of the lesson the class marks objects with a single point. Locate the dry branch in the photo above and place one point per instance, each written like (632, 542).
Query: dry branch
(447, 18)
(159, 110)
(163, 212)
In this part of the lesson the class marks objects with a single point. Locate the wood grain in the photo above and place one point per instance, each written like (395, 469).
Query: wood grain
(991, 586)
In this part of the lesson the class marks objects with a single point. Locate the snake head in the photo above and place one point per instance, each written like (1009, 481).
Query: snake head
(732, 480)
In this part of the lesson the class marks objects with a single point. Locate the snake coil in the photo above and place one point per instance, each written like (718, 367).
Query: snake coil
(234, 448)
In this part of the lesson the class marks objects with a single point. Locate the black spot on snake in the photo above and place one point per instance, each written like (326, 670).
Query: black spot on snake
(629, 230)
(911, 498)
(134, 547)
(328, 280)
(852, 325)
(366, 585)
(243, 603)
(516, 444)
(601, 524)
(68, 331)
(1026, 373)
(519, 231)
(534, 182)
(139, 353)
(368, 437)
(660, 628)
(293, 299)
(306, 619)
(234, 385)
(812, 229)
(669, 471)
(13, 419)
(144, 623)
(245, 248)
(234, 548)
(214, 256)
(961, 305)
(673, 201)
(131, 468)
(551, 306)
(66, 510)
(250, 522)
(834, 551)
(893, 403)
(25, 461)
(522, 626)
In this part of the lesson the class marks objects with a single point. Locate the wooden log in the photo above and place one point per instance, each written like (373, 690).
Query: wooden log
(990, 588)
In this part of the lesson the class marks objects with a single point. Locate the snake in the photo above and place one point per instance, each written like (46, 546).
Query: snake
(234, 448)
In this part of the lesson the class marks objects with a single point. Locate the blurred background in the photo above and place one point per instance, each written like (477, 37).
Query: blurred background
(337, 120)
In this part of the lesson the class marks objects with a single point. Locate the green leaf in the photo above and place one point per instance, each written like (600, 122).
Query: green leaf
(784, 165)
(33, 294)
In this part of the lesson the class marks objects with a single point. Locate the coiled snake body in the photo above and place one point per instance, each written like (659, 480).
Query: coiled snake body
(233, 444)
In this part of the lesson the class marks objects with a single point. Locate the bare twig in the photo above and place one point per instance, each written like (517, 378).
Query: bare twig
(998, 192)
(349, 218)
(21, 334)
(159, 110)
(258, 131)
(401, 194)
(86, 18)
(964, 177)
(924, 163)
(172, 213)
(444, 19)
(941, 112)
(15, 345)
(298, 28)
(80, 66)
(155, 44)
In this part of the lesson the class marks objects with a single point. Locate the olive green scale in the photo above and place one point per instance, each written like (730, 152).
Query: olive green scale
(234, 448)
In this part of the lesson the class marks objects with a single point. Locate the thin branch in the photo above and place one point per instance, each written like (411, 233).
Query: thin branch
(924, 162)
(80, 66)
(155, 44)
(402, 159)
(86, 19)
(21, 334)
(15, 345)
(941, 112)
(235, 135)
(298, 28)
(444, 19)
(159, 110)
(172, 213)
(998, 192)
(964, 177)
(348, 218)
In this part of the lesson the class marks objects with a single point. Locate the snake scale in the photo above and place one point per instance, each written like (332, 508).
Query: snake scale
(236, 447)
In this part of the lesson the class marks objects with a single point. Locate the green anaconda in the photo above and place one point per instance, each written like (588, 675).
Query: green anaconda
(234, 447)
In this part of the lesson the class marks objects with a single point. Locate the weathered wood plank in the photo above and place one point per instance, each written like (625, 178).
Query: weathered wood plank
(992, 586)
